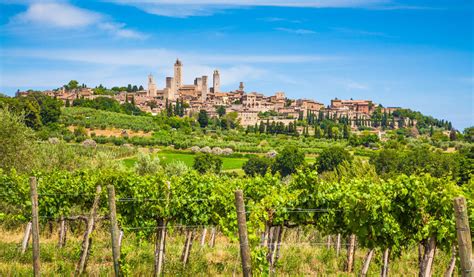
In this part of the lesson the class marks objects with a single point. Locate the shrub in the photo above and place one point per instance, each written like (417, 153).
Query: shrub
(16, 142)
(207, 163)
(257, 165)
(89, 143)
(146, 164)
(176, 168)
(331, 157)
(195, 149)
(290, 159)
(227, 151)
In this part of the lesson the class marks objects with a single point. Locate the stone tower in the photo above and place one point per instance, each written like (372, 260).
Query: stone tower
(170, 88)
(151, 86)
(178, 67)
(198, 83)
(205, 89)
(241, 86)
(216, 81)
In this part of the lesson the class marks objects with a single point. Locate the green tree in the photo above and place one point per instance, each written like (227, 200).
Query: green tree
(331, 157)
(346, 132)
(50, 108)
(221, 111)
(73, 84)
(16, 147)
(469, 134)
(261, 127)
(386, 162)
(207, 163)
(257, 166)
(203, 119)
(288, 160)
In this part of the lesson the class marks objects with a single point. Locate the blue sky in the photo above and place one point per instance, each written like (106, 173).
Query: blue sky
(416, 54)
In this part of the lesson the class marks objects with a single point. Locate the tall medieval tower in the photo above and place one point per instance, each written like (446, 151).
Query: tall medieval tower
(216, 81)
(205, 89)
(170, 89)
(151, 86)
(178, 66)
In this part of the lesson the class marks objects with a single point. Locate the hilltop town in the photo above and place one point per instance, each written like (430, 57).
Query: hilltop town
(250, 106)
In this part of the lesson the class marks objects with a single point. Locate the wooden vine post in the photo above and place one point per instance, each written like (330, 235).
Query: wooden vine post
(86, 243)
(26, 237)
(35, 227)
(464, 237)
(243, 237)
(114, 231)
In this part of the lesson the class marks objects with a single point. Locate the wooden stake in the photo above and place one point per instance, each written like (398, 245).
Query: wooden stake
(350, 253)
(464, 237)
(35, 227)
(385, 259)
(452, 263)
(160, 245)
(367, 260)
(81, 266)
(203, 237)
(26, 237)
(187, 247)
(120, 239)
(62, 232)
(338, 245)
(428, 257)
(281, 232)
(213, 237)
(243, 239)
(114, 232)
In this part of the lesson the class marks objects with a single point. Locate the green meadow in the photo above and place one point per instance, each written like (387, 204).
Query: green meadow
(188, 158)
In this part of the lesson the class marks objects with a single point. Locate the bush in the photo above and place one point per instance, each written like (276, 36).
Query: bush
(207, 163)
(89, 143)
(288, 161)
(331, 157)
(146, 164)
(257, 166)
(15, 142)
(176, 168)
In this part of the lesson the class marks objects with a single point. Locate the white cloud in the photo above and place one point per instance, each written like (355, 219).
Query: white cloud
(357, 32)
(118, 29)
(156, 57)
(282, 3)
(279, 19)
(62, 15)
(296, 31)
(351, 85)
(186, 8)
(114, 67)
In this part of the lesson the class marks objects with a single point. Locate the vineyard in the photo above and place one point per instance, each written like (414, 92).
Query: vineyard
(382, 220)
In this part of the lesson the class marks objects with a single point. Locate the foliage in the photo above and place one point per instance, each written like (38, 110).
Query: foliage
(15, 142)
(288, 161)
(108, 104)
(146, 164)
(206, 162)
(203, 119)
(37, 109)
(176, 168)
(257, 165)
(331, 157)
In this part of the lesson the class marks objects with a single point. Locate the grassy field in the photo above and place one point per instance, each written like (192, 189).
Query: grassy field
(298, 258)
(188, 159)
